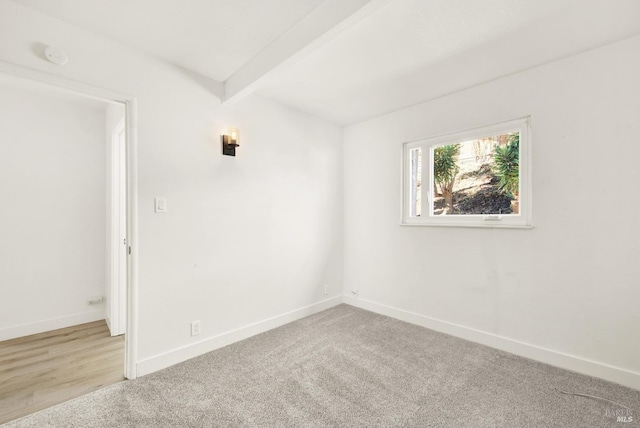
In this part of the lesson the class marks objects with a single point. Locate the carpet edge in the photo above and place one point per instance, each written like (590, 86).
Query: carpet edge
(621, 376)
(184, 353)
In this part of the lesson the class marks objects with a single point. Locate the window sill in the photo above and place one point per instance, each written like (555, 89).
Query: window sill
(468, 225)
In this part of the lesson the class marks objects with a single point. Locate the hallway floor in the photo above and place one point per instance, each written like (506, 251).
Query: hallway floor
(45, 369)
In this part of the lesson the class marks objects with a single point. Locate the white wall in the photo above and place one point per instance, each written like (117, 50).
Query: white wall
(245, 239)
(52, 218)
(570, 285)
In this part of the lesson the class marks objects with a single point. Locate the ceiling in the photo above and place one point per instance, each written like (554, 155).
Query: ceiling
(350, 60)
(211, 37)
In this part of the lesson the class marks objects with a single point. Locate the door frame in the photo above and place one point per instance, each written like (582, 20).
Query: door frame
(131, 122)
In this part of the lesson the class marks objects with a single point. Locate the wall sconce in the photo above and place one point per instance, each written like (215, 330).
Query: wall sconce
(230, 142)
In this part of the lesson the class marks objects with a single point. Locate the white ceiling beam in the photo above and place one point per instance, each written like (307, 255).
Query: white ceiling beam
(321, 25)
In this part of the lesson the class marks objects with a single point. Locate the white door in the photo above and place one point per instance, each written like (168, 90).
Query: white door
(119, 232)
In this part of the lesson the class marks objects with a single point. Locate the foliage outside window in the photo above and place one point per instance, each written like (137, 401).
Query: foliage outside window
(478, 177)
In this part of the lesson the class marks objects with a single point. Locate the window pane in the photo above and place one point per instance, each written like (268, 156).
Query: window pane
(415, 200)
(477, 176)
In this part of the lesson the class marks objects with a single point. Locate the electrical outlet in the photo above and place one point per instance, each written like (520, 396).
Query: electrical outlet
(355, 293)
(195, 328)
(96, 300)
(326, 289)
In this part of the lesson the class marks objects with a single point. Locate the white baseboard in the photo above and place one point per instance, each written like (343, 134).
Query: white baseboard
(50, 324)
(175, 356)
(574, 363)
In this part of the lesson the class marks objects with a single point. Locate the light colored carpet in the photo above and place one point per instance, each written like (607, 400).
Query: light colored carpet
(345, 367)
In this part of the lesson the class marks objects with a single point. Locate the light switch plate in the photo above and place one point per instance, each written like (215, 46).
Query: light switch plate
(161, 205)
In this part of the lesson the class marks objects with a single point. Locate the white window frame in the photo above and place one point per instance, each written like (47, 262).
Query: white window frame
(521, 220)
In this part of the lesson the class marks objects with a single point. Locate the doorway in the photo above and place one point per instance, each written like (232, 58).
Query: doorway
(119, 263)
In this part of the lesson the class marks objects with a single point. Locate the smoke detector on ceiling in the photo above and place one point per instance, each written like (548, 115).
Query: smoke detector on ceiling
(56, 56)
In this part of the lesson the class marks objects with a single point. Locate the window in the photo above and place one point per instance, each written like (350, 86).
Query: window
(478, 178)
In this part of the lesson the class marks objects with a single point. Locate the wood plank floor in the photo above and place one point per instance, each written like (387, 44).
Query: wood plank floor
(45, 369)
